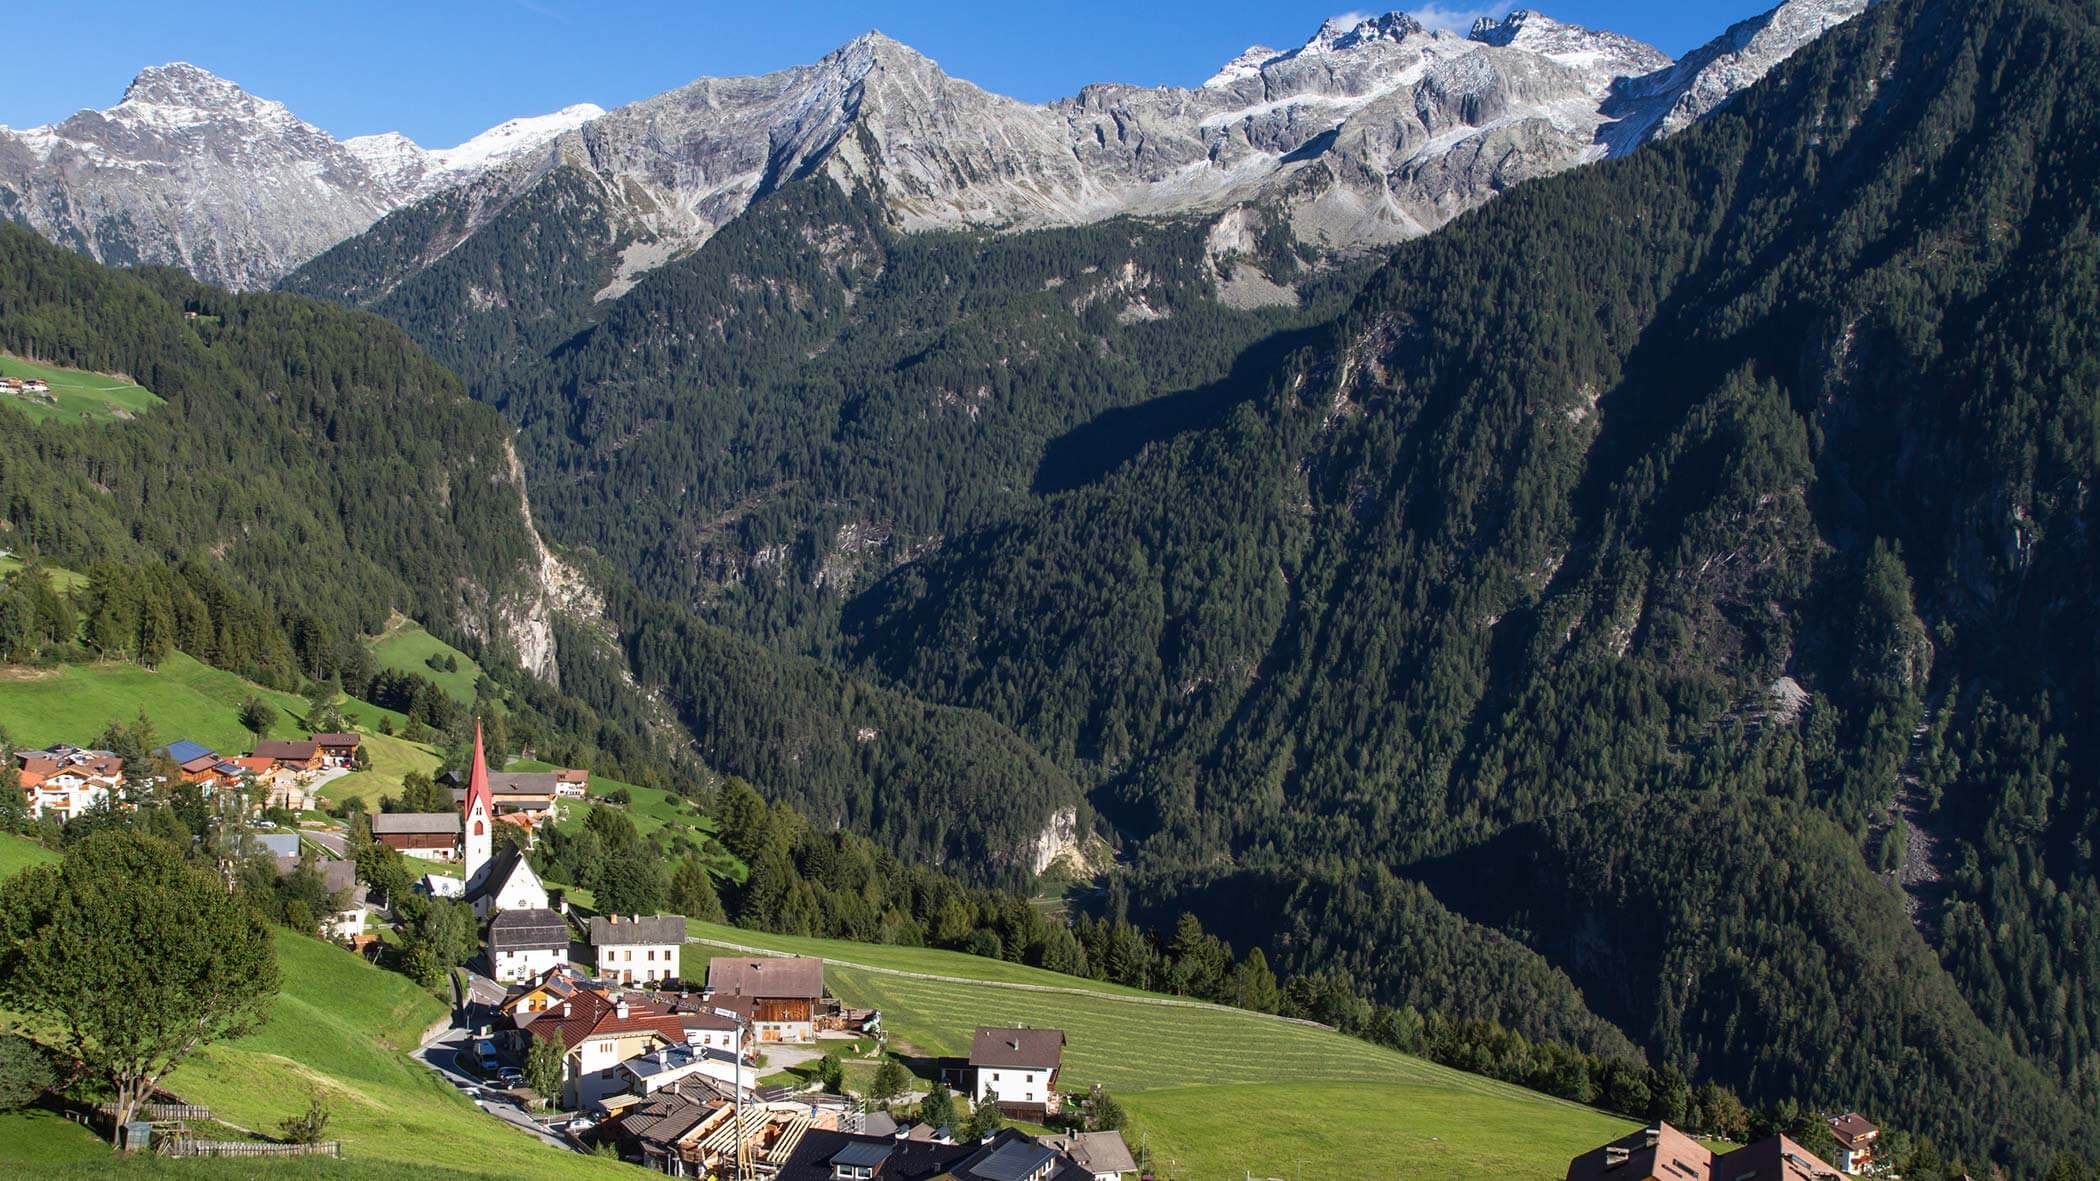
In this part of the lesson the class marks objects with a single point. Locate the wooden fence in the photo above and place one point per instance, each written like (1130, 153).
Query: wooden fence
(187, 1147)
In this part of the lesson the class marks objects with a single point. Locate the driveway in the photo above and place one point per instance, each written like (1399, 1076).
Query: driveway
(337, 843)
(441, 1051)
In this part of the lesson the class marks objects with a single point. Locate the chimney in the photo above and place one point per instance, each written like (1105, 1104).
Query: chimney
(567, 1009)
(620, 1008)
(1615, 1156)
(1654, 1134)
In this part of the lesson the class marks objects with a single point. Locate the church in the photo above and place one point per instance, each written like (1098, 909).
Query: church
(524, 937)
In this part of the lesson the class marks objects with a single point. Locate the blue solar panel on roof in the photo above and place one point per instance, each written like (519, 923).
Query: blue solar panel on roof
(861, 1153)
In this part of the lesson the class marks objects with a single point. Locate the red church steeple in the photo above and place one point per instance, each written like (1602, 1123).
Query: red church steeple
(478, 813)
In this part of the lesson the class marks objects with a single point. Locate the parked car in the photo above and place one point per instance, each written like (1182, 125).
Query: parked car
(485, 1056)
(511, 1076)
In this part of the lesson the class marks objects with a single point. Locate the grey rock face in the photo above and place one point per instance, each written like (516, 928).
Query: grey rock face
(1671, 99)
(192, 171)
(1372, 131)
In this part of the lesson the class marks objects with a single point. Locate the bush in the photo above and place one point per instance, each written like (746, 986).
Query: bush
(25, 1072)
(306, 1127)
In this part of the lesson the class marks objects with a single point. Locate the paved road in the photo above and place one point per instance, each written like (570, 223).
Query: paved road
(335, 842)
(440, 1052)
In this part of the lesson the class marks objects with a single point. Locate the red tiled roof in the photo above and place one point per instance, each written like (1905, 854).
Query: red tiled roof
(1852, 1128)
(590, 1014)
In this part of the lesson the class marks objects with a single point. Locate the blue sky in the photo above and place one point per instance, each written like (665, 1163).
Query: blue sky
(443, 70)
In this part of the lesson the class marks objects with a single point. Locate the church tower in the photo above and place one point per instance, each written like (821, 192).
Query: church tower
(477, 825)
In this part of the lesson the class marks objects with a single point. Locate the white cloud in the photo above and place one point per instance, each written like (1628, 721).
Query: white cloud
(1459, 17)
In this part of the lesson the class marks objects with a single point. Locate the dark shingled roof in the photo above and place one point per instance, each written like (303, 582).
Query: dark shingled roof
(518, 930)
(1021, 1049)
(297, 751)
(925, 1160)
(397, 823)
(661, 928)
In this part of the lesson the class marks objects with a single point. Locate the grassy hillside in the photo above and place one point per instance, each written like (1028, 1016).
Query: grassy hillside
(17, 854)
(345, 1027)
(186, 699)
(406, 647)
(78, 395)
(1221, 1092)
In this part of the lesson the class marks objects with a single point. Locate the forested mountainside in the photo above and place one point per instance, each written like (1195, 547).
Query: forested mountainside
(763, 428)
(312, 472)
(311, 453)
(1643, 564)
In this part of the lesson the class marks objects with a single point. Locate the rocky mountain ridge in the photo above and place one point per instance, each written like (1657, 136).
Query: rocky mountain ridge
(190, 170)
(1373, 131)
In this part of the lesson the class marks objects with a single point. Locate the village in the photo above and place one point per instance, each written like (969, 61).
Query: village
(593, 1031)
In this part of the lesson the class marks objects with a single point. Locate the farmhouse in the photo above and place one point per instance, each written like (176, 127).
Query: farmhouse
(778, 996)
(572, 784)
(1018, 1068)
(524, 944)
(600, 1032)
(527, 794)
(351, 906)
(337, 750)
(1662, 1153)
(638, 949)
(292, 755)
(1856, 1141)
(430, 835)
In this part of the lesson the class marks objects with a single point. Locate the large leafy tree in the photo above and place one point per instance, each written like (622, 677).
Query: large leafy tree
(126, 958)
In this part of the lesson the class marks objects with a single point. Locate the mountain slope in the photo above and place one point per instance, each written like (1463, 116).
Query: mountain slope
(189, 170)
(1801, 393)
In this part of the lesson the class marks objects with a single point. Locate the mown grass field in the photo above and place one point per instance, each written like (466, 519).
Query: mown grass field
(390, 758)
(80, 396)
(1218, 1093)
(406, 647)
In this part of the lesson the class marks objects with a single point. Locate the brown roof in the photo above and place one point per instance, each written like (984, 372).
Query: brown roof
(337, 739)
(590, 1014)
(1664, 1153)
(1097, 1152)
(1852, 1128)
(294, 751)
(1660, 1151)
(797, 977)
(1774, 1158)
(1019, 1048)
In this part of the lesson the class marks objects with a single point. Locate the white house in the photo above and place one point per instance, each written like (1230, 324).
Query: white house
(638, 949)
(523, 944)
(65, 781)
(600, 1033)
(1018, 1069)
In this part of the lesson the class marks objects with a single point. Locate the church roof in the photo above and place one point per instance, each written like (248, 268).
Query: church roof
(501, 868)
(478, 781)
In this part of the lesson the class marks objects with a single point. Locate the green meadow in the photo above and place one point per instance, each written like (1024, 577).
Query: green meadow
(1214, 1094)
(405, 647)
(77, 395)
